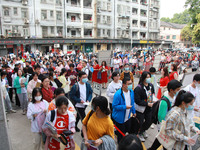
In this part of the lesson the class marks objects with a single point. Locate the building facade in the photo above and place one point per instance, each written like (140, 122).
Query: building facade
(172, 32)
(134, 21)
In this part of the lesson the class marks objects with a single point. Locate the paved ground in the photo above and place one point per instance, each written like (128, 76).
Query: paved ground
(22, 138)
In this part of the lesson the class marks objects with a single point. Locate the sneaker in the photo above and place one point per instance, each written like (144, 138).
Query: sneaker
(23, 113)
(141, 137)
(13, 111)
(77, 129)
(145, 134)
(152, 126)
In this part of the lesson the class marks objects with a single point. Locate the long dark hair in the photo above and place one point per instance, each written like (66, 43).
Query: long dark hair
(183, 96)
(44, 77)
(166, 73)
(102, 102)
(34, 93)
(104, 63)
(144, 76)
(174, 67)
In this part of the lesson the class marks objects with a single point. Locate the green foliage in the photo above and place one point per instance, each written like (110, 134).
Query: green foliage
(165, 19)
(196, 31)
(194, 9)
(186, 33)
(180, 18)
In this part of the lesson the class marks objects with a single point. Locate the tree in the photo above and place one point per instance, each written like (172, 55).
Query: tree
(196, 31)
(194, 9)
(165, 19)
(186, 33)
(180, 18)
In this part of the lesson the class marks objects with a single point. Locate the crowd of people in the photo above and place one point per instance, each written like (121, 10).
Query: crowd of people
(54, 91)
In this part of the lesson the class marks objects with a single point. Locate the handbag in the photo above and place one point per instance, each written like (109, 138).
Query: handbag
(165, 140)
(99, 75)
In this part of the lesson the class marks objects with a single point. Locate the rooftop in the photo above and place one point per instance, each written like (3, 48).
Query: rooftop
(172, 25)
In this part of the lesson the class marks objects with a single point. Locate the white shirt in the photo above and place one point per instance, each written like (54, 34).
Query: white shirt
(116, 63)
(82, 89)
(128, 103)
(33, 109)
(86, 70)
(112, 89)
(196, 93)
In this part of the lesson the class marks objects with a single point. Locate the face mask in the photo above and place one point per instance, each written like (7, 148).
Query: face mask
(196, 59)
(54, 77)
(190, 107)
(126, 69)
(152, 75)
(175, 95)
(148, 80)
(38, 98)
(84, 80)
(130, 87)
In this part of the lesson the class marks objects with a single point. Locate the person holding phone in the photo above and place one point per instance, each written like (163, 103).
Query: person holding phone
(123, 107)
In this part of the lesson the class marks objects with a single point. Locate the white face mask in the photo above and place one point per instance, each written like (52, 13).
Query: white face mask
(38, 98)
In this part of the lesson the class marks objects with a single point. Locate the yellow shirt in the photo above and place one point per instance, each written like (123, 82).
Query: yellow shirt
(98, 127)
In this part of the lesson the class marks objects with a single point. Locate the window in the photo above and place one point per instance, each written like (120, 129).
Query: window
(6, 11)
(174, 37)
(59, 31)
(99, 32)
(43, 1)
(24, 13)
(51, 13)
(73, 32)
(15, 10)
(73, 18)
(109, 19)
(52, 30)
(44, 14)
(25, 31)
(44, 32)
(98, 18)
(58, 15)
(168, 37)
(108, 33)
(58, 2)
(103, 31)
(161, 37)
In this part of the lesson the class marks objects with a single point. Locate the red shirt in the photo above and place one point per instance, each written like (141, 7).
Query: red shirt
(62, 123)
(47, 94)
(171, 76)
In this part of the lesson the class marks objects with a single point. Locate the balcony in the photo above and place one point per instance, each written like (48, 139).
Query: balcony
(7, 19)
(73, 23)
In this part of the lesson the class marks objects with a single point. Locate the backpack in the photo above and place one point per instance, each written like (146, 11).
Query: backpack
(89, 74)
(155, 108)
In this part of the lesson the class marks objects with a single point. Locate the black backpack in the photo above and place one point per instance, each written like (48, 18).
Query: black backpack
(155, 108)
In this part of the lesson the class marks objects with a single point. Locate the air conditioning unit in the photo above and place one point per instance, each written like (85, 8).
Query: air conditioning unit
(37, 21)
(24, 2)
(26, 21)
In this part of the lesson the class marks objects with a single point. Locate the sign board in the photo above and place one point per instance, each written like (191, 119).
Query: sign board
(156, 62)
(104, 56)
(97, 88)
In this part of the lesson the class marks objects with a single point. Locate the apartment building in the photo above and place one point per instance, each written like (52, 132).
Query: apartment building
(84, 25)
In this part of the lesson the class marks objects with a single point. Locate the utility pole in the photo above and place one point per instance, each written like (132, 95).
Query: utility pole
(95, 18)
(64, 19)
